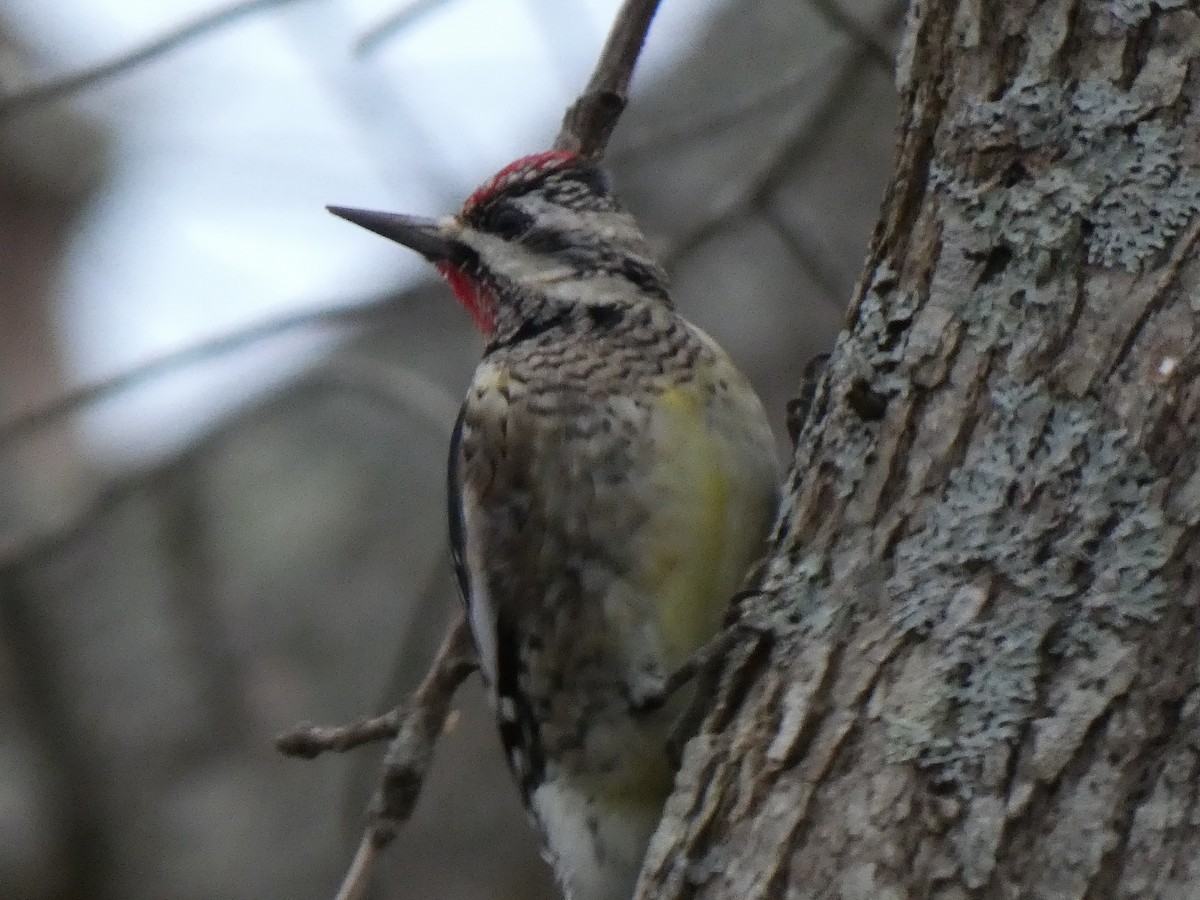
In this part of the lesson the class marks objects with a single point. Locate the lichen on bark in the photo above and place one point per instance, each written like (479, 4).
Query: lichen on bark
(983, 599)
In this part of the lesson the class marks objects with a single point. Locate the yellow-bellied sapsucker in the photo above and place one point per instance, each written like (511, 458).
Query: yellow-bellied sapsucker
(612, 477)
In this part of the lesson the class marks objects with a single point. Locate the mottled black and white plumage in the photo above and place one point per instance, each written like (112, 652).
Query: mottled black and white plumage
(611, 478)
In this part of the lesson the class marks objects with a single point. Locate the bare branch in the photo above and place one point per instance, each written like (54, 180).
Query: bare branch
(877, 49)
(703, 122)
(374, 36)
(741, 200)
(408, 388)
(309, 741)
(24, 424)
(590, 120)
(354, 885)
(755, 189)
(819, 262)
(51, 536)
(414, 727)
(57, 88)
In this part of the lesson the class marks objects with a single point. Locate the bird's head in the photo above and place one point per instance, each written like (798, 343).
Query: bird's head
(543, 233)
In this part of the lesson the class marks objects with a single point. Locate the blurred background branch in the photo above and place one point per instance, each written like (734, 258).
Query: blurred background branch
(394, 23)
(173, 39)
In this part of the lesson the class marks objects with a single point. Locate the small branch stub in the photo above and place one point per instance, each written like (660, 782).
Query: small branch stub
(589, 121)
(414, 727)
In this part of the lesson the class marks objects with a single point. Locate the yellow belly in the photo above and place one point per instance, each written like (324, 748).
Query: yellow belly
(716, 482)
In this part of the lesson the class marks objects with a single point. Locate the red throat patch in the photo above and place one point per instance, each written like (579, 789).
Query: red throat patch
(478, 300)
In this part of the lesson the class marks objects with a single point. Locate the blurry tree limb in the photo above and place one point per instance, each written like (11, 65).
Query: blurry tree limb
(41, 541)
(69, 773)
(377, 34)
(703, 122)
(590, 120)
(408, 388)
(700, 123)
(741, 199)
(206, 641)
(876, 48)
(24, 424)
(818, 261)
(65, 85)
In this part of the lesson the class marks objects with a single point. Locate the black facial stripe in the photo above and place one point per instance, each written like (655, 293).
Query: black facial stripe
(547, 241)
(505, 220)
(465, 258)
(643, 276)
(529, 329)
(646, 277)
(606, 316)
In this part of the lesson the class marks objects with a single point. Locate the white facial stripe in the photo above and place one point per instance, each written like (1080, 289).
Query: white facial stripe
(516, 263)
(554, 277)
(617, 227)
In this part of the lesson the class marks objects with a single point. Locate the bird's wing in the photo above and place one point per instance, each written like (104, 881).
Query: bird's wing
(477, 451)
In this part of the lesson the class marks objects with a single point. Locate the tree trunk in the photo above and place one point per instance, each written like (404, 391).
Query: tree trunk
(971, 671)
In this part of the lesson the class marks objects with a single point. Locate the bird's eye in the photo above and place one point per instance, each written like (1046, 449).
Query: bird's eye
(506, 221)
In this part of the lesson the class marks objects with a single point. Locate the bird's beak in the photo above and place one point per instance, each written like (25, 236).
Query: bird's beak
(428, 237)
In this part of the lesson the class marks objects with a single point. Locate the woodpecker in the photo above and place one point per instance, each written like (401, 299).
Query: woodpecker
(612, 477)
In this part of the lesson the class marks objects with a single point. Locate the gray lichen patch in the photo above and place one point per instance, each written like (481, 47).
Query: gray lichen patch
(1057, 514)
(1134, 12)
(867, 360)
(865, 367)
(1081, 166)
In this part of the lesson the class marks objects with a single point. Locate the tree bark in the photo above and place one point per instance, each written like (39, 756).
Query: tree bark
(971, 671)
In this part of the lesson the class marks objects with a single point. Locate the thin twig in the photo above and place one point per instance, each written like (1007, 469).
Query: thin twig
(389, 27)
(25, 423)
(590, 120)
(309, 741)
(92, 75)
(414, 727)
(358, 876)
